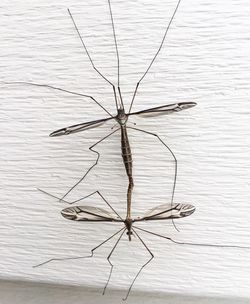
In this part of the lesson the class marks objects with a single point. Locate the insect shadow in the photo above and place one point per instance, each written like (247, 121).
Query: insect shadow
(169, 211)
(121, 116)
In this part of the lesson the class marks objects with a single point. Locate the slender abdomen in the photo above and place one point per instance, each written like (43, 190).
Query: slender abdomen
(128, 163)
(126, 151)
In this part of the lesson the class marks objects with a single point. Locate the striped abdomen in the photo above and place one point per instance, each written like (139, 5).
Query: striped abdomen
(127, 159)
(126, 151)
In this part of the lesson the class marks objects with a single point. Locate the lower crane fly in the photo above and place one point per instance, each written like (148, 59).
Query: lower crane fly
(168, 211)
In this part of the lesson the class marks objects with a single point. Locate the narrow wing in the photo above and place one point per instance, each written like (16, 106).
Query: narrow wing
(166, 109)
(88, 213)
(80, 127)
(167, 211)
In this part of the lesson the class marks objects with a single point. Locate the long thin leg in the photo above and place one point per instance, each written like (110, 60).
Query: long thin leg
(91, 60)
(116, 47)
(82, 198)
(52, 195)
(144, 265)
(108, 258)
(193, 244)
(175, 161)
(156, 54)
(80, 257)
(102, 197)
(59, 89)
(117, 56)
(96, 162)
(86, 50)
(116, 101)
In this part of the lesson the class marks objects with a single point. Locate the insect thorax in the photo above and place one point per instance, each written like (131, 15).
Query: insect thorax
(128, 223)
(121, 117)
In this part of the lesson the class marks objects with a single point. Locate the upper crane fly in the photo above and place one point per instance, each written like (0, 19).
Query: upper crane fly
(122, 116)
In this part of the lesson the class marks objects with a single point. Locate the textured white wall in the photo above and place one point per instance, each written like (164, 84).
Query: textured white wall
(206, 59)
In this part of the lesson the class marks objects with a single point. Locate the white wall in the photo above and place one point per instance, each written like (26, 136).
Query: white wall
(205, 59)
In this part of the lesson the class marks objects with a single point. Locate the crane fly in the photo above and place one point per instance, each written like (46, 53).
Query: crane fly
(122, 119)
(122, 115)
(168, 211)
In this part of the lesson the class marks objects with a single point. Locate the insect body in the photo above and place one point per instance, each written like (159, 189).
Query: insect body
(169, 211)
(162, 212)
(99, 215)
(122, 119)
(122, 116)
(87, 213)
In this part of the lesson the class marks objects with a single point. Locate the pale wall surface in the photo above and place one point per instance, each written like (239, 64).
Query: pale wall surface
(206, 59)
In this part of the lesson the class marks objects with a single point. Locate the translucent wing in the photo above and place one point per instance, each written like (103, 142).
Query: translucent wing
(88, 213)
(167, 211)
(166, 109)
(79, 127)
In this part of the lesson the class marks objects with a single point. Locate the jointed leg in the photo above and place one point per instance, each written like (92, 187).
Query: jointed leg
(116, 47)
(193, 244)
(58, 89)
(96, 162)
(70, 203)
(108, 258)
(52, 195)
(86, 50)
(175, 162)
(152, 256)
(80, 257)
(156, 54)
(133, 98)
(102, 197)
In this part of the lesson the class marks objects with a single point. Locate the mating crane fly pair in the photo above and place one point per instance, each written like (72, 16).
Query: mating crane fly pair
(93, 214)
(168, 211)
